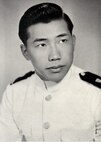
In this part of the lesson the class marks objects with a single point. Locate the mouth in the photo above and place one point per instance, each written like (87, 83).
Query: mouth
(56, 69)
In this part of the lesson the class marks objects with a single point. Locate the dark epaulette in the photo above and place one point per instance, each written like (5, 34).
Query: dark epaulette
(23, 77)
(91, 78)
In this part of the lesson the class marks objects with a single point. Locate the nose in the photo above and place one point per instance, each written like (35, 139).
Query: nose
(54, 54)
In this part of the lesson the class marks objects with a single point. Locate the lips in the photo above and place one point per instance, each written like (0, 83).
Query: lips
(55, 69)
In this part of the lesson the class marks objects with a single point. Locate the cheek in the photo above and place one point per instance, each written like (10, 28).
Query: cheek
(68, 52)
(38, 59)
(41, 56)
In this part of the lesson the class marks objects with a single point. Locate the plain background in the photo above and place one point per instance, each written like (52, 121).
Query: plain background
(86, 16)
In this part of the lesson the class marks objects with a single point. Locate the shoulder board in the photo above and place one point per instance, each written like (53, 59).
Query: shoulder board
(23, 77)
(91, 78)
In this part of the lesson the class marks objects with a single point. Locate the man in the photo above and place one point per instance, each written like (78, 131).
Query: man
(56, 102)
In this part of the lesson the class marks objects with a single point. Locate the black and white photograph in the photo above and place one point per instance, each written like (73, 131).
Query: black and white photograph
(50, 78)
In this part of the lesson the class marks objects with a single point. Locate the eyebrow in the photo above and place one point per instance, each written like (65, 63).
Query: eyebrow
(39, 39)
(62, 35)
(45, 39)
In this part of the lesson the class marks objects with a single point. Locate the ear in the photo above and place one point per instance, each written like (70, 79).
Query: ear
(25, 52)
(74, 40)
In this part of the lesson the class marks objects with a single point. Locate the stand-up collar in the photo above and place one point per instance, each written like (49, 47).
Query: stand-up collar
(52, 85)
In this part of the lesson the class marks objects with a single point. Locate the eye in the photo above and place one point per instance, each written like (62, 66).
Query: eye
(63, 40)
(41, 45)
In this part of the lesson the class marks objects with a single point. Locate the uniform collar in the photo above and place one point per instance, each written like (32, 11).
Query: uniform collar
(49, 85)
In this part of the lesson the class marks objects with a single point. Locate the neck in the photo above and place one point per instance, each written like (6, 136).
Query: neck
(49, 83)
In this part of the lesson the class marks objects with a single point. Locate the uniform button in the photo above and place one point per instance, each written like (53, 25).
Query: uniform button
(83, 73)
(48, 98)
(98, 80)
(46, 125)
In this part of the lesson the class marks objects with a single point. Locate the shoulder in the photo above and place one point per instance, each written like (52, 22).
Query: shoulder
(17, 89)
(23, 78)
(91, 78)
(20, 84)
(15, 93)
(88, 77)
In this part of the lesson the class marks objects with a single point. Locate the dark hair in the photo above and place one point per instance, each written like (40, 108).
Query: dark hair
(41, 13)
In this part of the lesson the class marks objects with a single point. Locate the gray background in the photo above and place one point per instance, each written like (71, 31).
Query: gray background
(86, 16)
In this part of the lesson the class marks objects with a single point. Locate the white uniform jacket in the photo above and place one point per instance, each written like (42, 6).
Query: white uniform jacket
(66, 112)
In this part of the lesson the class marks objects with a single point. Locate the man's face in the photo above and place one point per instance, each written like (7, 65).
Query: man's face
(50, 48)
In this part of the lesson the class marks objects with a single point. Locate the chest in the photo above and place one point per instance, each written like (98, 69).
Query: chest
(52, 114)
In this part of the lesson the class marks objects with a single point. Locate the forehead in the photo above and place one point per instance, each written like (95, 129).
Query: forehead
(50, 29)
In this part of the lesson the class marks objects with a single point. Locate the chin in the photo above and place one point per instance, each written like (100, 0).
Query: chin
(57, 79)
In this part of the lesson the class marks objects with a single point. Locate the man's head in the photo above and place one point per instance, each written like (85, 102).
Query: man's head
(41, 13)
(48, 41)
